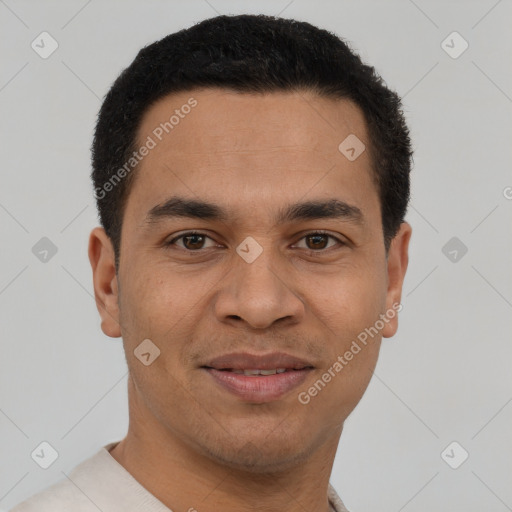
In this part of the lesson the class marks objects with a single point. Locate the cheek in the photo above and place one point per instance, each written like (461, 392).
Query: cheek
(154, 309)
(151, 305)
(347, 315)
(349, 301)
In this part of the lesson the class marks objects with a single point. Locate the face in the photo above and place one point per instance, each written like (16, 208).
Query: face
(260, 274)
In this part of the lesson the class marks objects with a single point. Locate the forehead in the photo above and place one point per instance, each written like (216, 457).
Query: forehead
(252, 121)
(216, 143)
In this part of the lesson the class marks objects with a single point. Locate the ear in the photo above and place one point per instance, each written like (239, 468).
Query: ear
(397, 261)
(102, 258)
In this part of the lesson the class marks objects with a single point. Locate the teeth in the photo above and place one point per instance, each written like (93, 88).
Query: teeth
(252, 372)
(268, 372)
(259, 372)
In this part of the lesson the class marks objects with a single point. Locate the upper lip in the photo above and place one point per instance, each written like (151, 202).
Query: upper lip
(245, 361)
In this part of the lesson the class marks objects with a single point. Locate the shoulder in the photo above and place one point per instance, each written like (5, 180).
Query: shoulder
(78, 492)
(335, 501)
(62, 496)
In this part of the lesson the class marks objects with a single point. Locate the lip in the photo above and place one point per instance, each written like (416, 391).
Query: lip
(259, 388)
(245, 360)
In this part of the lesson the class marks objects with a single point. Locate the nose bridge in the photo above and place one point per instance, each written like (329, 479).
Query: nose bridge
(258, 291)
(259, 280)
(261, 277)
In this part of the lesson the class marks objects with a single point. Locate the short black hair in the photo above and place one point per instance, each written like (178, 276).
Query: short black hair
(248, 54)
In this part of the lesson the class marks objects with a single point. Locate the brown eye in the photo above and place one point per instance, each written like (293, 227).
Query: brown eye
(191, 241)
(318, 241)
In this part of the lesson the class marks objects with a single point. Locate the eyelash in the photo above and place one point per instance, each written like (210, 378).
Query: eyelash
(313, 251)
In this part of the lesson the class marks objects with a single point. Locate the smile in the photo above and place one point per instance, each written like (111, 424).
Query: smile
(259, 386)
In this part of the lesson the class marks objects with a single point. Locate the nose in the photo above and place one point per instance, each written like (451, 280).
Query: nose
(259, 294)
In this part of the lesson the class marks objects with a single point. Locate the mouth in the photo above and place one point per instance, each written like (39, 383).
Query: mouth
(258, 385)
(258, 378)
(253, 372)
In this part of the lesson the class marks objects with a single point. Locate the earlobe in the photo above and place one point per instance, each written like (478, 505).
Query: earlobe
(101, 257)
(398, 259)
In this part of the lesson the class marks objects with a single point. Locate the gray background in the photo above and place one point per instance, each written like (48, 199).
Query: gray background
(444, 377)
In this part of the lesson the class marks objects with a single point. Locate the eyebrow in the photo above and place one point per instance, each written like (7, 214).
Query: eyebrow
(179, 207)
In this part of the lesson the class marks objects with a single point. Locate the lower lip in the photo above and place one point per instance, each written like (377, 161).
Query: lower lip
(259, 388)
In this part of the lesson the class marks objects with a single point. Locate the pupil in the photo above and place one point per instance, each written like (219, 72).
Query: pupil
(316, 238)
(187, 238)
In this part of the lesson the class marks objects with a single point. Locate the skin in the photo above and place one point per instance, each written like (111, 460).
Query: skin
(190, 442)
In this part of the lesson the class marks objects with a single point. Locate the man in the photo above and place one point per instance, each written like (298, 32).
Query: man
(252, 178)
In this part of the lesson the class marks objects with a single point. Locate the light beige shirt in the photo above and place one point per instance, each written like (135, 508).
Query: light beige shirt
(100, 483)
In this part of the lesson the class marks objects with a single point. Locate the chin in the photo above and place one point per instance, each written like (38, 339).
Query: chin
(260, 456)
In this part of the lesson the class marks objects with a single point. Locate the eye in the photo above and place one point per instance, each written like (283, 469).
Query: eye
(318, 241)
(315, 241)
(192, 241)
